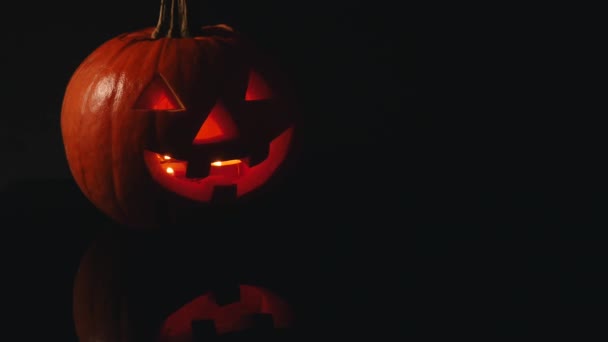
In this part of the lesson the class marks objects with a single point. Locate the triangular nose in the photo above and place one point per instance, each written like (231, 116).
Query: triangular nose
(217, 127)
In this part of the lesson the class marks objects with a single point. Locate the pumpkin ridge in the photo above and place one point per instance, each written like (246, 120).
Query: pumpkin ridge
(160, 55)
(78, 168)
(82, 168)
(115, 194)
(83, 178)
(120, 203)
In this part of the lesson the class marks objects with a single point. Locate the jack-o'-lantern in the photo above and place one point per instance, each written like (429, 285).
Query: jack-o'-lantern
(172, 114)
(158, 286)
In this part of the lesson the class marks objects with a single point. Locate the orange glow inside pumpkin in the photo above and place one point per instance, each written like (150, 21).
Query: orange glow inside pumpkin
(257, 89)
(226, 163)
(158, 95)
(235, 172)
(227, 169)
(217, 127)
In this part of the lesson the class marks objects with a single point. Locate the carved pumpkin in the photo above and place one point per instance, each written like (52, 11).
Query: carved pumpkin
(142, 287)
(157, 116)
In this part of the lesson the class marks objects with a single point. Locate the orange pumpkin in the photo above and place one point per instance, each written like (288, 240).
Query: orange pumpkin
(168, 115)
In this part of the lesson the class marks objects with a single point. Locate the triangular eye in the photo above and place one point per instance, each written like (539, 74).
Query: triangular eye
(158, 95)
(217, 127)
(257, 89)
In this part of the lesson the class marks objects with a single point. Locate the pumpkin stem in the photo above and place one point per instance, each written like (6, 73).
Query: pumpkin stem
(172, 20)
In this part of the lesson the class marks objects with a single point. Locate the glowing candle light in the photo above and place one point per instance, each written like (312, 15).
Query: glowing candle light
(227, 168)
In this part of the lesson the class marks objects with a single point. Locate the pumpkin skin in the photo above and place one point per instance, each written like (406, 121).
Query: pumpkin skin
(133, 286)
(150, 124)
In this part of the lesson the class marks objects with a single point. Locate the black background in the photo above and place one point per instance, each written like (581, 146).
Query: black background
(447, 179)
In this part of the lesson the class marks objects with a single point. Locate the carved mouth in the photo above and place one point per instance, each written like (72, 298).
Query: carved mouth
(228, 170)
(201, 178)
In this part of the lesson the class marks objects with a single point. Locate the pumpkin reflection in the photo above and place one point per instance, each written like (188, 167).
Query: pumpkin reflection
(252, 310)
